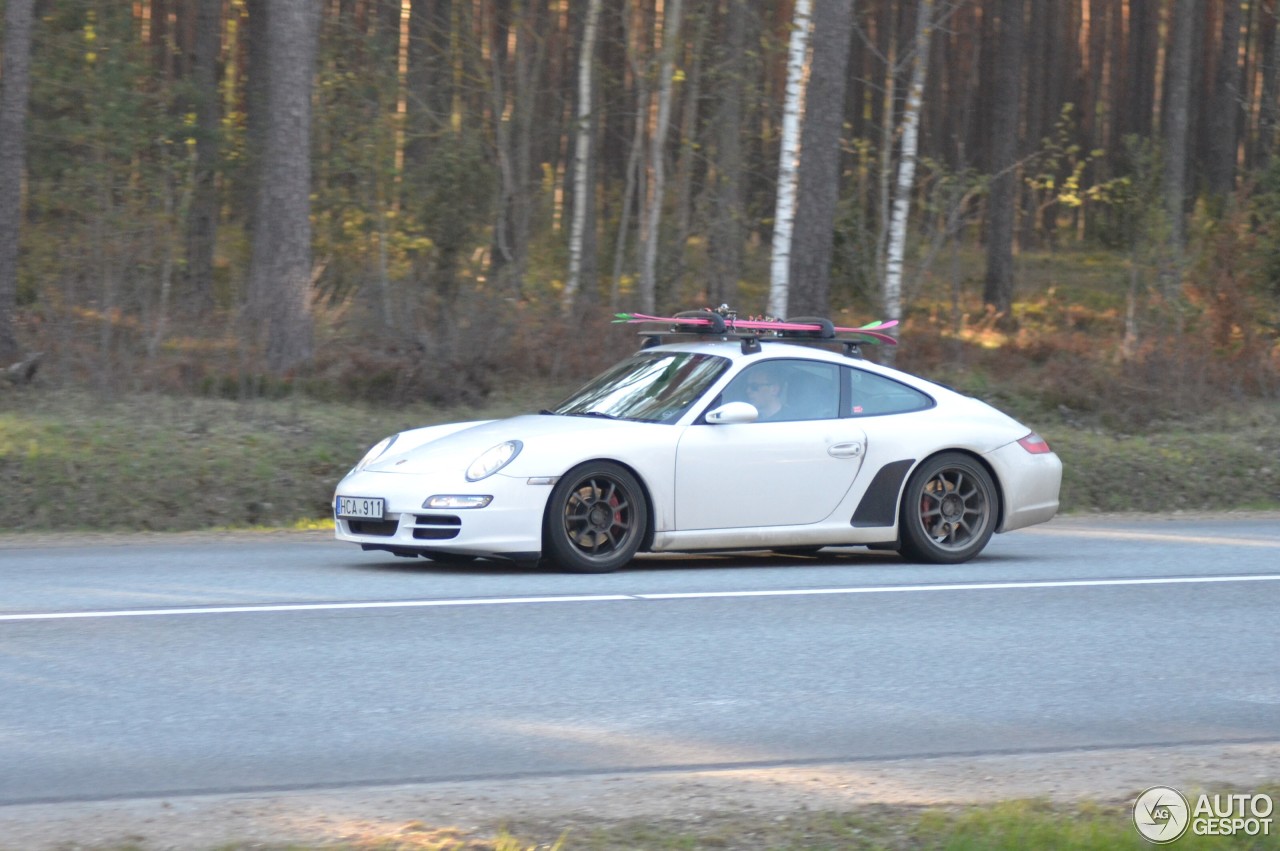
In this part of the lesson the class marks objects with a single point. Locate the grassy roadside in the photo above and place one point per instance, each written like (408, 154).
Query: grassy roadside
(162, 463)
(1019, 825)
(69, 460)
(1006, 826)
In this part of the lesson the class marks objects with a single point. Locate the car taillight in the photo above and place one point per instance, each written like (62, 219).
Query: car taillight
(1035, 444)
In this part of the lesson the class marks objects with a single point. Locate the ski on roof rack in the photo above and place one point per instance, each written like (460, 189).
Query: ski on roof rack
(724, 323)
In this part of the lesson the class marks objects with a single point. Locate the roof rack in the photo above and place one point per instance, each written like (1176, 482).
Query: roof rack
(723, 323)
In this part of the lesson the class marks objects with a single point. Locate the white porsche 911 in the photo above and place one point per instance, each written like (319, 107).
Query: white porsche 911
(709, 445)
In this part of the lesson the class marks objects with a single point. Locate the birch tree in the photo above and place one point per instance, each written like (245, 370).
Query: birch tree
(15, 87)
(907, 164)
(657, 163)
(789, 159)
(582, 154)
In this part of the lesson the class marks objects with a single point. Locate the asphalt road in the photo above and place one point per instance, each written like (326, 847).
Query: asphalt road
(183, 665)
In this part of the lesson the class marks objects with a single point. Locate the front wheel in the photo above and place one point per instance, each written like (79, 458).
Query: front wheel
(948, 511)
(596, 518)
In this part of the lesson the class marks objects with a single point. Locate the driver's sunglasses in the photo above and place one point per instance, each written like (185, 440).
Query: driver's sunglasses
(760, 385)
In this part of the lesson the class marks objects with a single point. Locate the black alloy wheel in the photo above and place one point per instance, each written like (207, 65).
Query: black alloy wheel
(596, 518)
(949, 510)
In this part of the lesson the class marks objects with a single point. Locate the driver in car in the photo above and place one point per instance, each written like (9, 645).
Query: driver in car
(765, 388)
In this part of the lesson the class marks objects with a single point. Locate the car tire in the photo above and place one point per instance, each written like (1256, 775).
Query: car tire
(596, 518)
(949, 510)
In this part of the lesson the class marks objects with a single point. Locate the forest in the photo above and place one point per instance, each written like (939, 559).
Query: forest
(393, 198)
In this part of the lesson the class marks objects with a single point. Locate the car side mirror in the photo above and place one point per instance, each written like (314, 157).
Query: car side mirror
(733, 412)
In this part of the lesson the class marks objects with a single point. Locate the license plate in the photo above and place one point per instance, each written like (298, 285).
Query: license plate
(360, 507)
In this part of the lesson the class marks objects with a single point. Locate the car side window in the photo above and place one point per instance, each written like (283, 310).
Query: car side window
(871, 395)
(788, 390)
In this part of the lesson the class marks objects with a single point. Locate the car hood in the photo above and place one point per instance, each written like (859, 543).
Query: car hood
(456, 446)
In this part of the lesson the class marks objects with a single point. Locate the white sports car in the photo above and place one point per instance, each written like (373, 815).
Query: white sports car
(706, 446)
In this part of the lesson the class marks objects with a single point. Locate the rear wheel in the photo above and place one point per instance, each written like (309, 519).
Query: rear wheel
(948, 511)
(596, 518)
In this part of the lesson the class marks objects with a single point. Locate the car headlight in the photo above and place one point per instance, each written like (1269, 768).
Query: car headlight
(374, 452)
(493, 460)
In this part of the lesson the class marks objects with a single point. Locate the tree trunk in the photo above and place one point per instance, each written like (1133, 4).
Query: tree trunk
(1267, 109)
(1037, 121)
(634, 170)
(724, 244)
(657, 157)
(818, 181)
(582, 154)
(1224, 108)
(202, 220)
(530, 61)
(789, 161)
(998, 289)
(692, 150)
(280, 266)
(255, 75)
(888, 110)
(502, 113)
(1144, 48)
(1177, 119)
(907, 163)
(15, 88)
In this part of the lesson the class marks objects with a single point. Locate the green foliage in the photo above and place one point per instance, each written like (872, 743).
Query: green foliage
(855, 276)
(1061, 178)
(1264, 208)
(354, 142)
(452, 194)
(106, 173)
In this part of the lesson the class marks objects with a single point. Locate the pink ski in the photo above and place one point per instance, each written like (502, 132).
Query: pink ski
(872, 330)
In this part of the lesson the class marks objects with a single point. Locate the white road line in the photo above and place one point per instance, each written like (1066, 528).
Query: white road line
(309, 607)
(1159, 537)
(615, 598)
(973, 586)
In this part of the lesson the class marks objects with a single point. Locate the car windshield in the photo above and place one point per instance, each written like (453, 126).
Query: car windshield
(654, 387)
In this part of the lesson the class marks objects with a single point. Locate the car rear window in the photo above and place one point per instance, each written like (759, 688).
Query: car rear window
(874, 395)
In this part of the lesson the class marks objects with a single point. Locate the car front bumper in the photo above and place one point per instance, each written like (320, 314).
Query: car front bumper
(510, 526)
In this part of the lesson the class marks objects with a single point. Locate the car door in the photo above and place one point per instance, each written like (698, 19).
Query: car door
(792, 469)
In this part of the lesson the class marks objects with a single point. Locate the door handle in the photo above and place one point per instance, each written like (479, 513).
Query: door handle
(845, 450)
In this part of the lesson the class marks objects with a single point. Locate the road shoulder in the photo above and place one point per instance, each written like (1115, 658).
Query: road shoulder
(550, 806)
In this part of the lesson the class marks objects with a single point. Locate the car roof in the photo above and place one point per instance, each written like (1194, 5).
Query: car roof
(732, 350)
